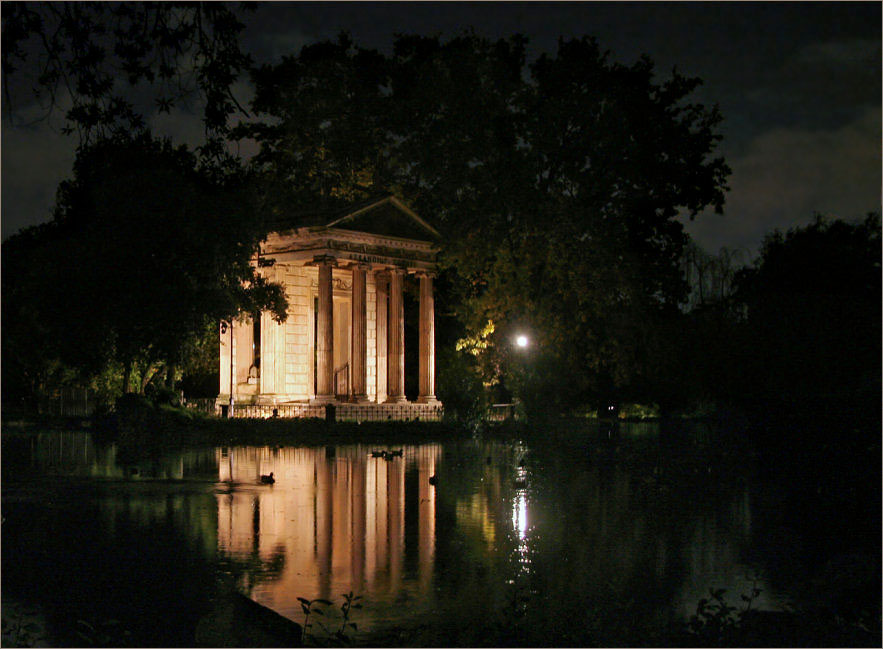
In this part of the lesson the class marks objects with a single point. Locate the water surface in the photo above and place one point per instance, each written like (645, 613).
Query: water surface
(577, 541)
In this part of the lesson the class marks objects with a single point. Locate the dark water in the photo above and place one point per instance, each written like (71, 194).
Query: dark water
(611, 542)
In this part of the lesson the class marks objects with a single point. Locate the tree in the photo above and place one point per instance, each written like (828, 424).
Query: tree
(710, 277)
(31, 350)
(146, 251)
(812, 331)
(326, 141)
(106, 64)
(555, 187)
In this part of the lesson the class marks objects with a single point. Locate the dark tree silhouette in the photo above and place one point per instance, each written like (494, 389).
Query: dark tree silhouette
(145, 254)
(813, 302)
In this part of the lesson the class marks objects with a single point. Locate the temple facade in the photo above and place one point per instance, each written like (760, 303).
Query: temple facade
(344, 339)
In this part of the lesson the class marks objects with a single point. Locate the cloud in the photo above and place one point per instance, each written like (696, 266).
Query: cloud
(35, 158)
(285, 43)
(821, 85)
(785, 175)
(853, 51)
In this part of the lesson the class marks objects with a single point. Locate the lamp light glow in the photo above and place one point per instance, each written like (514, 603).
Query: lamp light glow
(521, 341)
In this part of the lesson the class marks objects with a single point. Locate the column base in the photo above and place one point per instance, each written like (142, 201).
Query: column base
(429, 400)
(360, 398)
(322, 399)
(396, 399)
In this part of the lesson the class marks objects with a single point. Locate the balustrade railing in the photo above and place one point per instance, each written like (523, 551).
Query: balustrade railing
(500, 412)
(72, 402)
(208, 406)
(343, 411)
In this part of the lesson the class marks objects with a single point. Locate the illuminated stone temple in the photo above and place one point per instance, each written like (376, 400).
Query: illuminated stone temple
(344, 340)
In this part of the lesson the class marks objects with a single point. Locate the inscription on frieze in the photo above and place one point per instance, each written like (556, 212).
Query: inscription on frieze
(378, 254)
(336, 283)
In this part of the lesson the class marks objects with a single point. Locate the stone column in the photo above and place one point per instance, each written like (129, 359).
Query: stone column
(381, 284)
(396, 355)
(359, 336)
(325, 333)
(427, 341)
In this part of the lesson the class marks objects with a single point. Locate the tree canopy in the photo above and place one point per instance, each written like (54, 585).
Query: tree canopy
(144, 255)
(107, 64)
(812, 303)
(555, 184)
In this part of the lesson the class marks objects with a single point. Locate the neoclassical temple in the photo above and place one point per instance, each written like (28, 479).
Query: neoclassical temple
(344, 339)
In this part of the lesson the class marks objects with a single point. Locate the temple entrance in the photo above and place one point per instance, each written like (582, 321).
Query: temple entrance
(341, 346)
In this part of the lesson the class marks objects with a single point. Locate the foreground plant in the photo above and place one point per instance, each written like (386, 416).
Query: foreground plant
(313, 607)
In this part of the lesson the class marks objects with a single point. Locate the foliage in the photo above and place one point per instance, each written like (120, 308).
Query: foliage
(314, 607)
(145, 253)
(350, 603)
(95, 60)
(325, 141)
(555, 185)
(461, 375)
(20, 626)
(811, 339)
(31, 345)
(715, 621)
(711, 277)
(459, 386)
(103, 633)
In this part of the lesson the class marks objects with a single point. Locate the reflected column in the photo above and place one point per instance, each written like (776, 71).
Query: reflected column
(426, 548)
(324, 521)
(396, 490)
(377, 541)
(359, 507)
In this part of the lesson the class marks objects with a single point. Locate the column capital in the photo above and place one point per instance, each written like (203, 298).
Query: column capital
(424, 272)
(323, 260)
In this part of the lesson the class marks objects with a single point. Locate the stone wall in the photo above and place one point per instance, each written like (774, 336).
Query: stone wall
(298, 382)
(288, 349)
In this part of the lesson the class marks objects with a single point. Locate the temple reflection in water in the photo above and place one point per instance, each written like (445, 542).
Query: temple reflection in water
(339, 520)
(336, 520)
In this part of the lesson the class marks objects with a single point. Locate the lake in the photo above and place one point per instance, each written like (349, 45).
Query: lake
(512, 542)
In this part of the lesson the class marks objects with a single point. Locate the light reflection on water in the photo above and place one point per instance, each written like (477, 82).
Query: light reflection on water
(338, 520)
(336, 516)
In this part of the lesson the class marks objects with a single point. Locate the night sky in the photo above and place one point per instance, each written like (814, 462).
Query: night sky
(799, 86)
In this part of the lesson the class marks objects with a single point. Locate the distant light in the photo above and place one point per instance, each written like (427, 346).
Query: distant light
(521, 341)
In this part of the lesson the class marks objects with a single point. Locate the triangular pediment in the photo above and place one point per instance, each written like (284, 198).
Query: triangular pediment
(385, 216)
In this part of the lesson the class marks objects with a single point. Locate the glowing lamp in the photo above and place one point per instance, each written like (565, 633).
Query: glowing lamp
(521, 341)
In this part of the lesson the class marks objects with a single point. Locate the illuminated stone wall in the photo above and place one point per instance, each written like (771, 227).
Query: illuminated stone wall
(298, 331)
(290, 354)
(287, 350)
